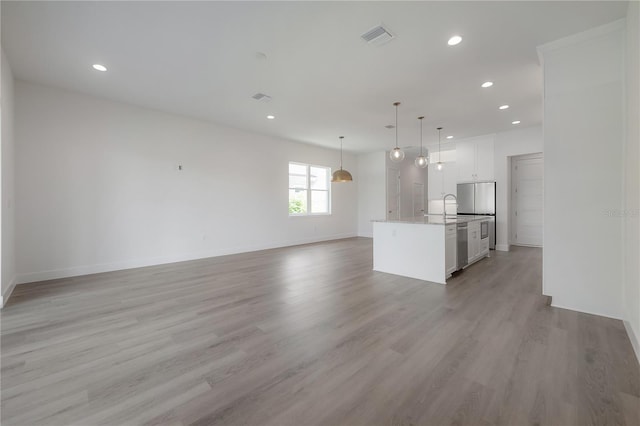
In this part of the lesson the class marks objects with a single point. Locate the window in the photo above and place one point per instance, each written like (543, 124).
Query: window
(309, 190)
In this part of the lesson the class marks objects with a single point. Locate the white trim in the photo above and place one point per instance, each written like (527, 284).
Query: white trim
(139, 263)
(633, 338)
(526, 245)
(581, 37)
(310, 190)
(502, 247)
(7, 294)
(554, 305)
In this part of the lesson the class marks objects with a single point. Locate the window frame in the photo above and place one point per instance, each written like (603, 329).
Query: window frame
(308, 189)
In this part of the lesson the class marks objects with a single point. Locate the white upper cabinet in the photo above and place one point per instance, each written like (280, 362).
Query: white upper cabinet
(435, 183)
(466, 160)
(474, 159)
(484, 159)
(441, 182)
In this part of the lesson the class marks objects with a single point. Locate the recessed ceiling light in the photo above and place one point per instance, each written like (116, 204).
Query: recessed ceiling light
(449, 137)
(487, 84)
(271, 117)
(515, 122)
(456, 39)
(503, 107)
(99, 67)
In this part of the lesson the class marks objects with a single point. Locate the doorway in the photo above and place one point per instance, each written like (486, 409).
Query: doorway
(527, 202)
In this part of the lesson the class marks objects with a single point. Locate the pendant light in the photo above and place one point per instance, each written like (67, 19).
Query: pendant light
(439, 165)
(396, 155)
(421, 160)
(341, 175)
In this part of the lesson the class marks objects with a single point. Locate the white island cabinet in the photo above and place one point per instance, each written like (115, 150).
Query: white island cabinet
(477, 247)
(424, 247)
(414, 249)
(451, 248)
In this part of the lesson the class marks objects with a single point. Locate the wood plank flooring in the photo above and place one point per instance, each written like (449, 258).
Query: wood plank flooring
(310, 335)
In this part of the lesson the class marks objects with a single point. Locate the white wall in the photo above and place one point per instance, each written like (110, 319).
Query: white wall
(583, 149)
(98, 187)
(632, 178)
(8, 183)
(520, 141)
(371, 182)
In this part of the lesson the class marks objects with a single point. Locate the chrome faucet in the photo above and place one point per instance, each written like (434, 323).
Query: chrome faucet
(444, 204)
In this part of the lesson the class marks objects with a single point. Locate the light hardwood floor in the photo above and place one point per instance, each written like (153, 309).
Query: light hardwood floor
(310, 335)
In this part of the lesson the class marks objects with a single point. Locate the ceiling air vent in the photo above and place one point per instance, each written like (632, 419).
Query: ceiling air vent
(377, 36)
(261, 97)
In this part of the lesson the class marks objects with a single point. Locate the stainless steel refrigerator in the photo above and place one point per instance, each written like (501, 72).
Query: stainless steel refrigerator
(479, 199)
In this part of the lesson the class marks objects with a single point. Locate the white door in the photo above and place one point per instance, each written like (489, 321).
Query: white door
(393, 194)
(527, 199)
(418, 199)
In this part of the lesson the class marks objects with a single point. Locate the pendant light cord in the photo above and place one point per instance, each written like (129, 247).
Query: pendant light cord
(420, 118)
(439, 130)
(396, 126)
(396, 105)
(341, 137)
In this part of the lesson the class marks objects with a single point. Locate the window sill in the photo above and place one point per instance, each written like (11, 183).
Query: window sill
(310, 215)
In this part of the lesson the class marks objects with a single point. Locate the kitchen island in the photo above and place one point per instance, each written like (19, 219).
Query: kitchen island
(425, 247)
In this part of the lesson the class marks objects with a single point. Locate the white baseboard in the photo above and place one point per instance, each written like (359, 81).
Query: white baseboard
(502, 247)
(7, 293)
(526, 245)
(630, 332)
(554, 305)
(634, 339)
(75, 271)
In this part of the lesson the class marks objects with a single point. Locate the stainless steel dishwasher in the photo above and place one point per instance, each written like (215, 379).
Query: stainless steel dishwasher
(463, 255)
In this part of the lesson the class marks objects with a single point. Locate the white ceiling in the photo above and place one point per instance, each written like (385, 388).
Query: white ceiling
(199, 59)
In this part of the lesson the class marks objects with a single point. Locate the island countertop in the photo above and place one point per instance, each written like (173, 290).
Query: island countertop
(437, 219)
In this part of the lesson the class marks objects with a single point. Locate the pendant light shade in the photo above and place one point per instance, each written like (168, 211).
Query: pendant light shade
(396, 155)
(439, 165)
(341, 175)
(421, 160)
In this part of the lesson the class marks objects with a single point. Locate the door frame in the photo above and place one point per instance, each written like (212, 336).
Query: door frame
(413, 196)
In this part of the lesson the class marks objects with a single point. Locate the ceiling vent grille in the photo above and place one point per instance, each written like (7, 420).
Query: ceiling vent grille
(377, 36)
(261, 97)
